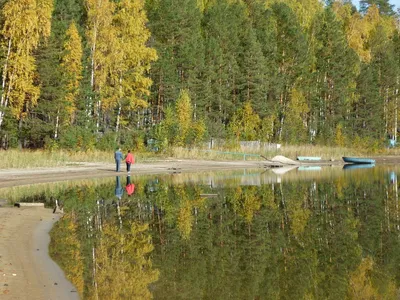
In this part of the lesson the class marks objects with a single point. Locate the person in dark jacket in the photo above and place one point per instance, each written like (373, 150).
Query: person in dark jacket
(118, 156)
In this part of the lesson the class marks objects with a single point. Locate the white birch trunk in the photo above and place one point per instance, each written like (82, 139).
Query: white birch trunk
(57, 124)
(3, 102)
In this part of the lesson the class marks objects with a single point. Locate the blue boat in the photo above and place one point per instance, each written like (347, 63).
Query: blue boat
(358, 160)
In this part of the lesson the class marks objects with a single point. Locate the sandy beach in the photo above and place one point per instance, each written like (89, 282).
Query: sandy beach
(26, 270)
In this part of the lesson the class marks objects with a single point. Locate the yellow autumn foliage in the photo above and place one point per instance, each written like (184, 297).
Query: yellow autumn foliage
(123, 269)
(72, 67)
(25, 23)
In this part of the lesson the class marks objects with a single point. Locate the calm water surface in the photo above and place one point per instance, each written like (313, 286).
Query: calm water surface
(308, 233)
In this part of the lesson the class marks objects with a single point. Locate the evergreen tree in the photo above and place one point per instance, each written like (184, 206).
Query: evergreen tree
(287, 59)
(367, 117)
(384, 6)
(336, 67)
(43, 119)
(223, 25)
(176, 35)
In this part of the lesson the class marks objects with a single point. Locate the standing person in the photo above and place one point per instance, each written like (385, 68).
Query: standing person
(118, 157)
(129, 159)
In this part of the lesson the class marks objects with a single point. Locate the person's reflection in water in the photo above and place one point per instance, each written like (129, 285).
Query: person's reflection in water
(119, 191)
(130, 187)
(393, 177)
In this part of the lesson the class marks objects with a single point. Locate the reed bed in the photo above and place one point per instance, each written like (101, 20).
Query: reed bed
(40, 158)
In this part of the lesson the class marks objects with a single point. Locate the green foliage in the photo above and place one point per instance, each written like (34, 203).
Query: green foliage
(307, 70)
(77, 139)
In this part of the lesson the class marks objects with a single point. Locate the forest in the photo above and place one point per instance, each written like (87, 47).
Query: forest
(93, 74)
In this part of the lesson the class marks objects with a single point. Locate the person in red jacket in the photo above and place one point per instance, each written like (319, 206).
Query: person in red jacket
(130, 187)
(129, 159)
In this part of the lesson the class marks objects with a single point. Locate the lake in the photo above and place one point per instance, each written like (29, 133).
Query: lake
(294, 233)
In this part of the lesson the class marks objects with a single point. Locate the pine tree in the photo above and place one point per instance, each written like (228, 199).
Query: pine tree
(384, 6)
(223, 24)
(252, 83)
(42, 121)
(287, 59)
(336, 68)
(176, 35)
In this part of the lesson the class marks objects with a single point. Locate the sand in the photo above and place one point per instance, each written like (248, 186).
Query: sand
(26, 270)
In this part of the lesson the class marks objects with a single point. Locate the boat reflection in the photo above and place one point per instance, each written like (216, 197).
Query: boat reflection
(358, 166)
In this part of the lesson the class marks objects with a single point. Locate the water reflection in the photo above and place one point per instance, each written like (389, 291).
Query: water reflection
(130, 187)
(358, 166)
(119, 191)
(326, 234)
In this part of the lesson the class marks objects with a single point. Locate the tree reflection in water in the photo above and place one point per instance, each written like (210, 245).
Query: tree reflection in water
(336, 238)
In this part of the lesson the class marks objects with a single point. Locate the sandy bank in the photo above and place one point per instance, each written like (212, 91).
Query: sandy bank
(26, 270)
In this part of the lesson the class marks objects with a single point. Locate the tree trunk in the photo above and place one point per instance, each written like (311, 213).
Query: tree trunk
(57, 124)
(3, 102)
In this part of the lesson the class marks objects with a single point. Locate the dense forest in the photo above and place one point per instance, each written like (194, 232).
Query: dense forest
(91, 74)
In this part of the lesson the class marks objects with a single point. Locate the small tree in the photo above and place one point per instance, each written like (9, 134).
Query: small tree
(245, 123)
(183, 116)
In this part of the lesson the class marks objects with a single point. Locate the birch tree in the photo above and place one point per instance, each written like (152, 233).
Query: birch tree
(26, 22)
(72, 69)
(128, 82)
(100, 37)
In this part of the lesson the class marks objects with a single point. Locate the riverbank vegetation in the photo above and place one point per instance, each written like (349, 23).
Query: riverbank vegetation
(95, 75)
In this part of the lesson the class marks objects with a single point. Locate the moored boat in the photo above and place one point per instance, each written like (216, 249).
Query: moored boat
(358, 160)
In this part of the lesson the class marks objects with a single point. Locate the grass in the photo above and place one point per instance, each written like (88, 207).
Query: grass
(39, 158)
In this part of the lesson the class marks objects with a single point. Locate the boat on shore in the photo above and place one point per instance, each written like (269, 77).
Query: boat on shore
(358, 160)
